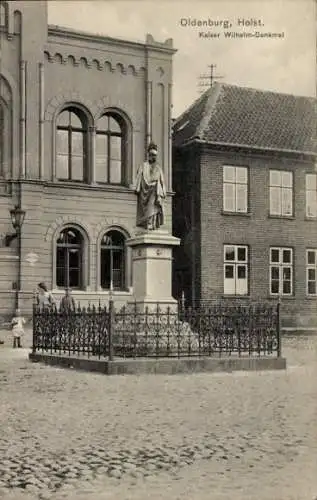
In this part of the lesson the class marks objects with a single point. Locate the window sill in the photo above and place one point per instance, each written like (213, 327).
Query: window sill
(311, 297)
(281, 297)
(312, 219)
(281, 217)
(243, 214)
(236, 297)
(59, 291)
(89, 185)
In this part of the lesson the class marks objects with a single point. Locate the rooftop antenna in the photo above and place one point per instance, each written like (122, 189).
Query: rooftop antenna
(203, 85)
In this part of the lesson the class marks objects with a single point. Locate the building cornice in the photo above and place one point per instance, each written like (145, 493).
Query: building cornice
(80, 186)
(68, 33)
(197, 140)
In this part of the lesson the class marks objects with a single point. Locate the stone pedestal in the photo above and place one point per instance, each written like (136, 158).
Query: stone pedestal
(152, 269)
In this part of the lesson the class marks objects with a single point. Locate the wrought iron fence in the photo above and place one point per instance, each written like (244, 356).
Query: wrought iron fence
(218, 330)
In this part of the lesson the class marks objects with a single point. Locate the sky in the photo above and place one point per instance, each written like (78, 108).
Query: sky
(283, 64)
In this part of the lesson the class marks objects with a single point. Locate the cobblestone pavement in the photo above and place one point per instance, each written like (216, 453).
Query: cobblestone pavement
(74, 435)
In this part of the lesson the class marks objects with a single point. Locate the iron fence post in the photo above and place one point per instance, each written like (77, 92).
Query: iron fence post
(33, 329)
(111, 323)
(278, 314)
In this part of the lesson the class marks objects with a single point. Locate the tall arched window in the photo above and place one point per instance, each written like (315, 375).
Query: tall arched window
(2, 14)
(71, 145)
(110, 149)
(69, 258)
(112, 261)
(1, 139)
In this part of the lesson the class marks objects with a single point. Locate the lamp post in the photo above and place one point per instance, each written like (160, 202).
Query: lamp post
(17, 218)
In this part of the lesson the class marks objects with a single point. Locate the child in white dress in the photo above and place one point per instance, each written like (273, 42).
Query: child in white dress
(17, 328)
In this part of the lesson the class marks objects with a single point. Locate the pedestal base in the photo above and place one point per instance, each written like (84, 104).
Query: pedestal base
(152, 269)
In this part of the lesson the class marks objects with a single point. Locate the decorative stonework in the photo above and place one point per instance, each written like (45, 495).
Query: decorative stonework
(108, 224)
(98, 64)
(71, 220)
(71, 96)
(96, 108)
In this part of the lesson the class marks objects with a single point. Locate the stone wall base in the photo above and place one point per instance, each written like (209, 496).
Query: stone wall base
(166, 366)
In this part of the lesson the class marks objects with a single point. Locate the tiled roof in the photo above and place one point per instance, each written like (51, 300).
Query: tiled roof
(232, 115)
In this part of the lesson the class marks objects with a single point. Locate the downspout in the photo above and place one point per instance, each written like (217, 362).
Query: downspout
(148, 103)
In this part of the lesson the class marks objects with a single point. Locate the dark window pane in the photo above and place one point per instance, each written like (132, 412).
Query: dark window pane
(61, 277)
(286, 273)
(117, 238)
(311, 257)
(275, 255)
(62, 167)
(60, 257)
(229, 253)
(274, 286)
(312, 287)
(106, 239)
(113, 238)
(73, 236)
(74, 257)
(117, 279)
(74, 278)
(311, 274)
(242, 256)
(275, 273)
(242, 272)
(229, 272)
(286, 287)
(61, 238)
(69, 258)
(105, 268)
(117, 259)
(286, 256)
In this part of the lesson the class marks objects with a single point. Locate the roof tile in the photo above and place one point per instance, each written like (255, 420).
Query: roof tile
(242, 116)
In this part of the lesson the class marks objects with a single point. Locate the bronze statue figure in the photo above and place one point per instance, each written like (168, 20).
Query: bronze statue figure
(151, 190)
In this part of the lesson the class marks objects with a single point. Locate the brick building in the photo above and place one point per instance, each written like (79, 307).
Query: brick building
(244, 171)
(77, 111)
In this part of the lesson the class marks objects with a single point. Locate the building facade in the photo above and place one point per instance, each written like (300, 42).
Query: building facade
(77, 112)
(244, 163)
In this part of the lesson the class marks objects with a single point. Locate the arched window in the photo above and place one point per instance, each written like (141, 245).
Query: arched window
(112, 261)
(110, 149)
(2, 15)
(71, 146)
(1, 139)
(69, 258)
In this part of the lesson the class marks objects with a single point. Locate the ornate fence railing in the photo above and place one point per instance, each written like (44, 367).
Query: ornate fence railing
(219, 330)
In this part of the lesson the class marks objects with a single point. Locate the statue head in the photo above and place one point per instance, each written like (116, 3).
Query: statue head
(152, 152)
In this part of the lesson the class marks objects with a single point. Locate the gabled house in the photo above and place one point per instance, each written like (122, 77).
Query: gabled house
(244, 172)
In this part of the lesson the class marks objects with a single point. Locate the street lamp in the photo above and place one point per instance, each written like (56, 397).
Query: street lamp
(17, 219)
